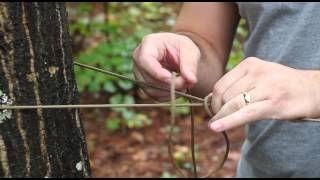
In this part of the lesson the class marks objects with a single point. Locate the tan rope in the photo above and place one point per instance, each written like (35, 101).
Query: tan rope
(172, 124)
(97, 106)
(207, 102)
(207, 105)
(208, 108)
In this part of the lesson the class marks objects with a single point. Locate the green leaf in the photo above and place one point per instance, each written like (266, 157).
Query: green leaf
(94, 86)
(103, 48)
(112, 124)
(128, 99)
(139, 121)
(182, 110)
(116, 99)
(116, 61)
(109, 87)
(125, 85)
(127, 114)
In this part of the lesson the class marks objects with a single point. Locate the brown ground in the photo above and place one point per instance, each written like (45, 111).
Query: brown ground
(143, 152)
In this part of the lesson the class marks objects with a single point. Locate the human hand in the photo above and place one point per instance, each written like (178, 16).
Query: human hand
(275, 91)
(161, 53)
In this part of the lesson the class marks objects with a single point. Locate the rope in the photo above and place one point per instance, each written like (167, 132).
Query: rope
(193, 156)
(172, 125)
(97, 106)
(207, 106)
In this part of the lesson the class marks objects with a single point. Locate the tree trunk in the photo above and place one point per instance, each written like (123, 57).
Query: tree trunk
(36, 69)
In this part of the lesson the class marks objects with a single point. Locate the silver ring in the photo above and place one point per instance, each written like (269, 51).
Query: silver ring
(246, 98)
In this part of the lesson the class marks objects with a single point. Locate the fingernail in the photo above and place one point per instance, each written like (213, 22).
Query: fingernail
(216, 126)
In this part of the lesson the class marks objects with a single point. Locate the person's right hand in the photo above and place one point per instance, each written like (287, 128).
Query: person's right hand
(160, 54)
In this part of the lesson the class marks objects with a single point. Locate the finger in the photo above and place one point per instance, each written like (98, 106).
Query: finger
(180, 83)
(189, 57)
(170, 61)
(148, 60)
(156, 94)
(250, 113)
(136, 52)
(237, 103)
(225, 82)
(245, 84)
(152, 92)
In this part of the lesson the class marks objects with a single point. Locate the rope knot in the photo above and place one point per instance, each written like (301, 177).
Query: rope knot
(207, 104)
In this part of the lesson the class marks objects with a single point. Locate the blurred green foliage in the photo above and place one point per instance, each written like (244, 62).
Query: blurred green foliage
(105, 34)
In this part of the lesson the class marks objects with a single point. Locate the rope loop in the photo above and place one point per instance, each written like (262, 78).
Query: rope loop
(207, 104)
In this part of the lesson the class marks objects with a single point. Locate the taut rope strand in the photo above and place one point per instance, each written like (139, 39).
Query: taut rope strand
(97, 106)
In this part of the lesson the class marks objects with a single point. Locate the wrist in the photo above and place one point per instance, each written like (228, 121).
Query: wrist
(317, 82)
(314, 76)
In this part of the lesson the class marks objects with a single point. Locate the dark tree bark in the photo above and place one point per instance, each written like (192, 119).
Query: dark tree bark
(36, 69)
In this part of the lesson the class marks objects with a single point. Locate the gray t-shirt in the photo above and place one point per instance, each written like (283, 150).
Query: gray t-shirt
(289, 34)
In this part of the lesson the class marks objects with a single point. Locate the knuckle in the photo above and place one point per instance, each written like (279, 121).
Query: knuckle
(279, 101)
(137, 74)
(239, 104)
(157, 75)
(184, 38)
(218, 90)
(226, 97)
(135, 54)
(252, 59)
(251, 112)
(257, 71)
(276, 100)
(249, 62)
(278, 114)
(149, 38)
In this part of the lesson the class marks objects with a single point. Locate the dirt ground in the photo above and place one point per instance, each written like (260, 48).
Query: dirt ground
(143, 152)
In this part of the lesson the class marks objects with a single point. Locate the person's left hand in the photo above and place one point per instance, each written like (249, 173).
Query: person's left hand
(275, 92)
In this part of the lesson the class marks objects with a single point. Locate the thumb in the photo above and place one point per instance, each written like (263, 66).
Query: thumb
(189, 58)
